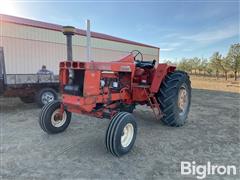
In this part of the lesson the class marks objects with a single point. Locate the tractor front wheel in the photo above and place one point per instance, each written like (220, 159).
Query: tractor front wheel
(121, 134)
(51, 121)
(174, 97)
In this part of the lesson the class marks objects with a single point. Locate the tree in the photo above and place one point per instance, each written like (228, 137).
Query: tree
(209, 69)
(224, 65)
(215, 60)
(234, 59)
(184, 65)
(203, 66)
(195, 63)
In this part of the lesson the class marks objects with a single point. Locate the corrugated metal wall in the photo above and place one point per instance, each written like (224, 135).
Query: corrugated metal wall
(27, 48)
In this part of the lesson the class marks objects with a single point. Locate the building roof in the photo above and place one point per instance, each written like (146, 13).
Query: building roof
(55, 27)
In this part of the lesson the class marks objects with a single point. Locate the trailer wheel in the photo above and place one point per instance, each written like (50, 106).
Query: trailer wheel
(50, 120)
(28, 99)
(46, 95)
(121, 134)
(174, 97)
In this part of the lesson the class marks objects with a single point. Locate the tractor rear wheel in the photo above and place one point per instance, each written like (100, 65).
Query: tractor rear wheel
(174, 97)
(51, 121)
(121, 134)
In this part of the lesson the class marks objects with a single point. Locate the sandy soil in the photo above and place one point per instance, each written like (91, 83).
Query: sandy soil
(211, 134)
(215, 84)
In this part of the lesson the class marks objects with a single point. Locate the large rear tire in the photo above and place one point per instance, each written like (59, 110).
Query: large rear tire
(121, 134)
(50, 121)
(174, 97)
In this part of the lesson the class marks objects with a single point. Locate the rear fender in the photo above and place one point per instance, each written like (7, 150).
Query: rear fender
(159, 75)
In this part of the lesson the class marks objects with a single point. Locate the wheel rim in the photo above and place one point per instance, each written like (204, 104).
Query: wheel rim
(47, 97)
(182, 100)
(57, 120)
(127, 135)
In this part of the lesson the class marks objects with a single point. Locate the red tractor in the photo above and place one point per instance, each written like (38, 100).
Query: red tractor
(112, 90)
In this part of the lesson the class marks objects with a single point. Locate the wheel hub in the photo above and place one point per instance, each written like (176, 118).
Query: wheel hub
(127, 135)
(57, 119)
(182, 99)
(47, 97)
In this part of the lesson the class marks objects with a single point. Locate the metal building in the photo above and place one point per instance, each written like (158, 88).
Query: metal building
(29, 44)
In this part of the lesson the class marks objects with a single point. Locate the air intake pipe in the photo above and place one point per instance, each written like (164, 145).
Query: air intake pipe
(69, 31)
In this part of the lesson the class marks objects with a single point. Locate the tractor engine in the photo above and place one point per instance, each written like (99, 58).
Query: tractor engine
(108, 82)
(90, 87)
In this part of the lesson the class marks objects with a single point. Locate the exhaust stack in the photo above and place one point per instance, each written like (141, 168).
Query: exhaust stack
(88, 35)
(69, 31)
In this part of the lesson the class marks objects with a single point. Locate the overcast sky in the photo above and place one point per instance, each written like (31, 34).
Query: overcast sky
(179, 28)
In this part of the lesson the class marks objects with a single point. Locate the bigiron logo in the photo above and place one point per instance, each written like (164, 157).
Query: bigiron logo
(202, 171)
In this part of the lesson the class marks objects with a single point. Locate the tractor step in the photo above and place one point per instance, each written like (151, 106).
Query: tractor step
(154, 105)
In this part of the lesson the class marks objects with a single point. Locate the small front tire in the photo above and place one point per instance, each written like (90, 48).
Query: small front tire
(121, 134)
(51, 121)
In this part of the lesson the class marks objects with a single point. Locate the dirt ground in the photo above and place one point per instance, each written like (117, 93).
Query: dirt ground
(211, 83)
(211, 134)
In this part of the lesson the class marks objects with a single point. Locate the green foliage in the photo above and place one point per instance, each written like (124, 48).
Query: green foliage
(233, 58)
(216, 64)
(215, 61)
(195, 63)
(203, 65)
(184, 65)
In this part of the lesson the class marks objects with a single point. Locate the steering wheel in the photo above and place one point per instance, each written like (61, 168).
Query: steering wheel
(135, 53)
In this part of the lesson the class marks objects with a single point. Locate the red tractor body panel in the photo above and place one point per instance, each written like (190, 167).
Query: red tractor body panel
(99, 83)
(159, 74)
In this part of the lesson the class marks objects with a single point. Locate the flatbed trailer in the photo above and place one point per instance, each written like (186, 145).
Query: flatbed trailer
(28, 87)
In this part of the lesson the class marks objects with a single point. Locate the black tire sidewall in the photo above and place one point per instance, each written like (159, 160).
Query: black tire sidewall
(110, 129)
(47, 119)
(169, 92)
(118, 134)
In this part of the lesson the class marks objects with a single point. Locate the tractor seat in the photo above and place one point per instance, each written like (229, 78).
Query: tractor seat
(145, 64)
